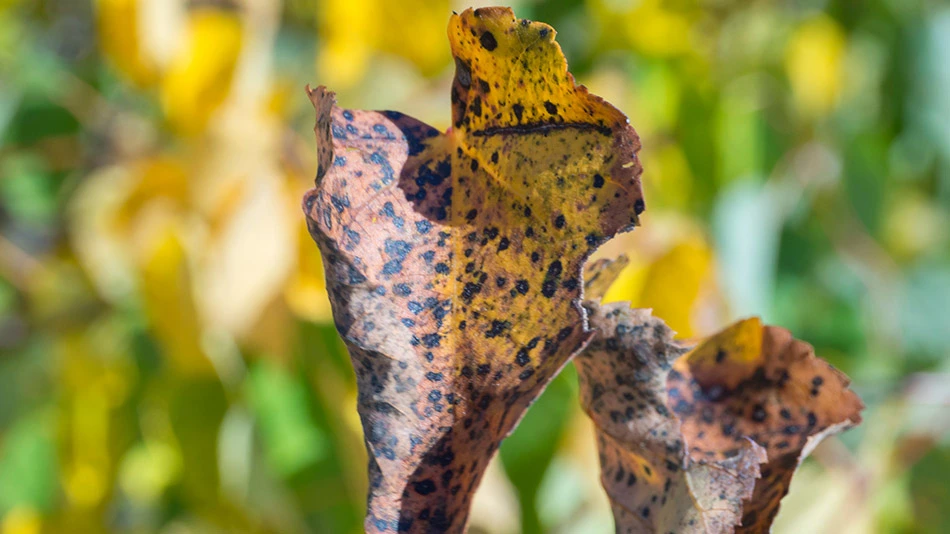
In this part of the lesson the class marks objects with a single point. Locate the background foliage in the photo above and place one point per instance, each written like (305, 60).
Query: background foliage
(166, 358)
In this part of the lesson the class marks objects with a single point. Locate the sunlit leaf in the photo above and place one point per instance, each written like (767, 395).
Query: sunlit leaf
(454, 260)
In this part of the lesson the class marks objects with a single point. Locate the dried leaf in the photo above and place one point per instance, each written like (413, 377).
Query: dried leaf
(681, 439)
(454, 260)
(653, 482)
(761, 383)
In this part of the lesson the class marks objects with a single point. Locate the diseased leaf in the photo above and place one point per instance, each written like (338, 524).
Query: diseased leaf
(681, 438)
(759, 382)
(454, 260)
(653, 481)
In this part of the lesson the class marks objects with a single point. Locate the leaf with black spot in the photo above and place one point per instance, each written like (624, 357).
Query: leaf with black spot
(433, 289)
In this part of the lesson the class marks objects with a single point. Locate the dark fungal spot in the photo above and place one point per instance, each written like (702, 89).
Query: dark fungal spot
(463, 73)
(518, 109)
(522, 286)
(488, 41)
(497, 328)
(758, 413)
(559, 222)
(598, 181)
(544, 32)
(503, 244)
(494, 157)
(720, 356)
(469, 291)
(526, 374)
(472, 213)
(433, 376)
(424, 487)
(522, 357)
(564, 333)
(483, 85)
(550, 107)
(639, 206)
(474, 165)
(476, 109)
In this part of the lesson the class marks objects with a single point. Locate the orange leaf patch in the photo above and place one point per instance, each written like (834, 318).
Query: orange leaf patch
(454, 259)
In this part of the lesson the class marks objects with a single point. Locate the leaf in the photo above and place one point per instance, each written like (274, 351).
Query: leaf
(454, 260)
(682, 438)
(760, 382)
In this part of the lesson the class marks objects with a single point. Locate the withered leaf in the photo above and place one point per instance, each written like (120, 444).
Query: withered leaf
(681, 439)
(454, 259)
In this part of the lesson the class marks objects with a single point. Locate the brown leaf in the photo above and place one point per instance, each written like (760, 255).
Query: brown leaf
(756, 382)
(653, 483)
(681, 439)
(454, 260)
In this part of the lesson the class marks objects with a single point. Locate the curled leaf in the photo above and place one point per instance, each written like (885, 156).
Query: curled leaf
(454, 259)
(760, 383)
(682, 438)
(653, 482)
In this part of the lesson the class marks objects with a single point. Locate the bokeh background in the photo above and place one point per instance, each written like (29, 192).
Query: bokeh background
(167, 362)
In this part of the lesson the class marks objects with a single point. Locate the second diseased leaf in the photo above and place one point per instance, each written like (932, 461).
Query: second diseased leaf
(707, 442)
(454, 259)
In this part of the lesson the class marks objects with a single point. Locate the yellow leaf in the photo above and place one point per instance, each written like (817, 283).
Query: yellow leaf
(813, 62)
(169, 304)
(198, 78)
(21, 520)
(670, 283)
(673, 282)
(353, 31)
(306, 293)
(120, 40)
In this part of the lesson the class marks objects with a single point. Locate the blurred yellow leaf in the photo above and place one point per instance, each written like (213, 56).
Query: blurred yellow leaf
(306, 293)
(670, 284)
(353, 30)
(199, 76)
(120, 40)
(813, 62)
(170, 306)
(148, 469)
(649, 26)
(21, 520)
(673, 284)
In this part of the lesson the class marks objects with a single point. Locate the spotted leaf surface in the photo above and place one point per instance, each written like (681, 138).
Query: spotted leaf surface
(731, 420)
(454, 259)
(758, 382)
(653, 481)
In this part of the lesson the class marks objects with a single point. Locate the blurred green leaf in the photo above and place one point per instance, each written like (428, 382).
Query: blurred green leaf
(28, 474)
